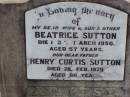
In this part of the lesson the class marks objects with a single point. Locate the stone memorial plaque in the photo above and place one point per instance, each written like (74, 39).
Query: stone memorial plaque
(75, 41)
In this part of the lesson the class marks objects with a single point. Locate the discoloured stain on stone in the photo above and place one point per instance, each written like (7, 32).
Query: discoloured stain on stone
(12, 1)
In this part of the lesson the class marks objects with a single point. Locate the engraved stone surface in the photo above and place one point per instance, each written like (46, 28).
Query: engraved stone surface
(75, 41)
(13, 81)
(75, 92)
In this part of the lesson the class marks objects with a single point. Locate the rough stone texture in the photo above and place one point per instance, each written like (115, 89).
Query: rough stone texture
(13, 81)
(22, 1)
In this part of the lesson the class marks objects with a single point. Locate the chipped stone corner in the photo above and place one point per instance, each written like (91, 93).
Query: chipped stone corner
(13, 1)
